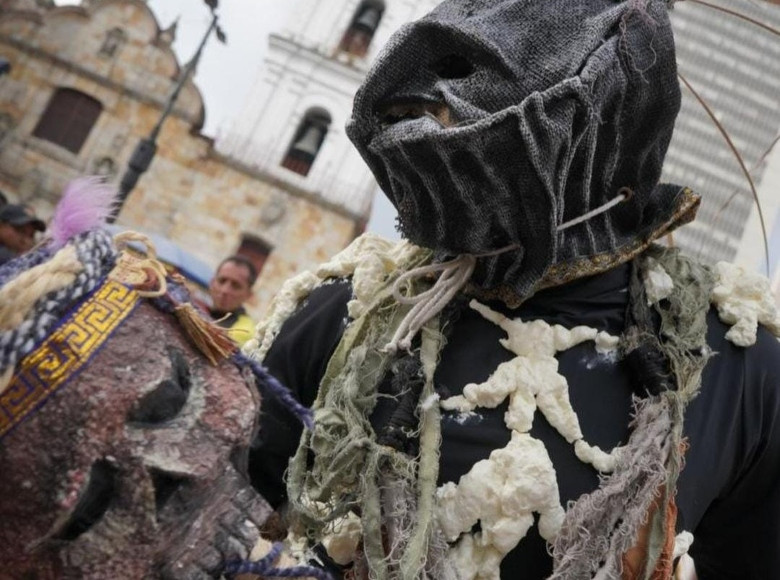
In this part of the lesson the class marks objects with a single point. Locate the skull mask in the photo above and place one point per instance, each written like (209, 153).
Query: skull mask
(132, 468)
(490, 123)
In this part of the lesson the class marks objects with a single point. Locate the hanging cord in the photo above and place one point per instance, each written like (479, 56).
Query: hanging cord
(282, 393)
(454, 274)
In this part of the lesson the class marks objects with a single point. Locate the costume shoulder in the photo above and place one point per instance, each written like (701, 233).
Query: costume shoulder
(743, 299)
(296, 340)
(737, 416)
(367, 263)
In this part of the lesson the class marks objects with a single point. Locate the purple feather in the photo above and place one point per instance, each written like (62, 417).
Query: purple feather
(85, 205)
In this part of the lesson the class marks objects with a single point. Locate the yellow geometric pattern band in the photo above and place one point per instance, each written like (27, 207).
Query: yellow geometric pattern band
(64, 352)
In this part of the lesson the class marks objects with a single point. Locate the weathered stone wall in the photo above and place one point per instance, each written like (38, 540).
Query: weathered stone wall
(191, 194)
(209, 203)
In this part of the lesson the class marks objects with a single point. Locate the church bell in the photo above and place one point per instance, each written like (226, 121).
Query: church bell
(368, 19)
(309, 143)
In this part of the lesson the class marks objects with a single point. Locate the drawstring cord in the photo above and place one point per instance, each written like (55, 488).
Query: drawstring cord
(623, 195)
(454, 275)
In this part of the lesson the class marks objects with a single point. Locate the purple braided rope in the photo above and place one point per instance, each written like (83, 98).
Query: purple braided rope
(97, 255)
(265, 568)
(276, 388)
(176, 295)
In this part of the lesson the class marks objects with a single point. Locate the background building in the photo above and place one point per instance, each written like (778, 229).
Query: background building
(89, 81)
(735, 66)
(283, 184)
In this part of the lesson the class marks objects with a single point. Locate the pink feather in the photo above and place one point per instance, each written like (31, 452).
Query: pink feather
(86, 204)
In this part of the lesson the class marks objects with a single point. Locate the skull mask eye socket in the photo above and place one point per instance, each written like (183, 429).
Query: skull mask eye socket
(453, 66)
(93, 503)
(167, 400)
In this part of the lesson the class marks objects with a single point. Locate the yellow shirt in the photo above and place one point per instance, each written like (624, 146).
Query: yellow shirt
(242, 329)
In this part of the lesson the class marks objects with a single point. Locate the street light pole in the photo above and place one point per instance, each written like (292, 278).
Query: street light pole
(146, 149)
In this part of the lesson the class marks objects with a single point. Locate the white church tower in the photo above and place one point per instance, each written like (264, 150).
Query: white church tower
(292, 126)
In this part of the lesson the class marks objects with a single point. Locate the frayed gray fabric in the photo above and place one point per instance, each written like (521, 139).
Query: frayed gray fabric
(558, 105)
(602, 526)
(399, 509)
(684, 317)
(342, 465)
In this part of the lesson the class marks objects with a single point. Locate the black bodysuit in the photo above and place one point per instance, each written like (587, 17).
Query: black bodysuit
(728, 493)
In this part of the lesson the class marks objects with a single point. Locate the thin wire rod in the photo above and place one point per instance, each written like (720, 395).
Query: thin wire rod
(738, 15)
(735, 193)
(740, 160)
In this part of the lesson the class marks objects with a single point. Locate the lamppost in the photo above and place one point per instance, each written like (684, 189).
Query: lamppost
(147, 147)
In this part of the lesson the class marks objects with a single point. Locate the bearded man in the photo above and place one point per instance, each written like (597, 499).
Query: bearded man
(527, 387)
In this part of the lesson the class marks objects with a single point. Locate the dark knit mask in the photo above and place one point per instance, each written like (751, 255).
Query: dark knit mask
(489, 123)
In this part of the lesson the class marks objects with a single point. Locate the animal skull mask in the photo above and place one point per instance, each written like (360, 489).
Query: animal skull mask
(489, 123)
(131, 468)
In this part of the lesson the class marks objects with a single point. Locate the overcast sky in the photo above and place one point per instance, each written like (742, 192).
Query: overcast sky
(226, 73)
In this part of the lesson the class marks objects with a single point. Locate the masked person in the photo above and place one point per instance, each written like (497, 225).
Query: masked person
(230, 287)
(527, 387)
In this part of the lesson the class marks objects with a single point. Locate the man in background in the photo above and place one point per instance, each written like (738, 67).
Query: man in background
(229, 289)
(18, 225)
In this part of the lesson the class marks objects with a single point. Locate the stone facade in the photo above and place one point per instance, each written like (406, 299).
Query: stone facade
(201, 199)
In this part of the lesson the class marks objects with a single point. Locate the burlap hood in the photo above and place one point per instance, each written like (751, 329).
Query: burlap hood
(556, 106)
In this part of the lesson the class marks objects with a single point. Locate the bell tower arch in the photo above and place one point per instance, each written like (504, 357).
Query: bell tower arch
(292, 124)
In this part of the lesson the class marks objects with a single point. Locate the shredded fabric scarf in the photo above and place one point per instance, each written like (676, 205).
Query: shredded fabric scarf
(344, 467)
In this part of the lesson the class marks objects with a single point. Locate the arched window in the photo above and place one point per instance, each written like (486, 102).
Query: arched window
(307, 141)
(68, 119)
(358, 36)
(256, 250)
(112, 43)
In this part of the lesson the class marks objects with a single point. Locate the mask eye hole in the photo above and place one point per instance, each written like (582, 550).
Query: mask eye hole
(94, 502)
(168, 398)
(453, 66)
